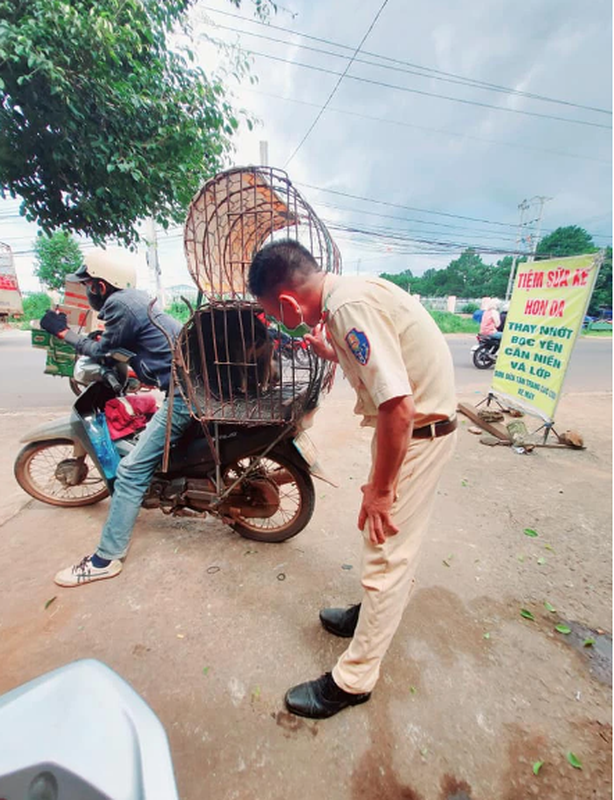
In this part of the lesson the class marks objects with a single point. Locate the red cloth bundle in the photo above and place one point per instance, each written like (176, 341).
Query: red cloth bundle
(126, 415)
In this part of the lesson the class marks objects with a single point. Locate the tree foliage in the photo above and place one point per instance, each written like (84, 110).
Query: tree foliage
(602, 293)
(568, 241)
(468, 276)
(35, 305)
(56, 256)
(101, 124)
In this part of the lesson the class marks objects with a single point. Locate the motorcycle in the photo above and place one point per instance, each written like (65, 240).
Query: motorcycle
(292, 347)
(52, 750)
(485, 352)
(260, 483)
(80, 380)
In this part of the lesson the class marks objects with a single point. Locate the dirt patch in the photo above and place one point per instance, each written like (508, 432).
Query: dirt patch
(557, 779)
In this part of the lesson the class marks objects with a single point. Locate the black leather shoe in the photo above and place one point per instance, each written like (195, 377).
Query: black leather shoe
(340, 621)
(321, 698)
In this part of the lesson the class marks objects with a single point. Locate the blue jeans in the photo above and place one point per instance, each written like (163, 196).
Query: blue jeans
(134, 475)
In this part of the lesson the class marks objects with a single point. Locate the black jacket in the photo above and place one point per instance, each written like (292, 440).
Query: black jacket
(127, 325)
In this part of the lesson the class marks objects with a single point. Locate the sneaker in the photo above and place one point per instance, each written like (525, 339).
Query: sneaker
(86, 572)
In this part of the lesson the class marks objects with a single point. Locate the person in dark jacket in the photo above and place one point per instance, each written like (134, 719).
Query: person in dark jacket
(124, 310)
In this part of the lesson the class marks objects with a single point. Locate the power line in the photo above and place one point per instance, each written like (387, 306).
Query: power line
(406, 208)
(433, 72)
(429, 94)
(336, 86)
(432, 130)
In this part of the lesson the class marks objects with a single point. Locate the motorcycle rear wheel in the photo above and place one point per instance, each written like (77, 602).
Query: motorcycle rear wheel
(37, 468)
(296, 499)
(482, 359)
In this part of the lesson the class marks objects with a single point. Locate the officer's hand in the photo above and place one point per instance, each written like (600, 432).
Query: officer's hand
(54, 322)
(318, 340)
(376, 511)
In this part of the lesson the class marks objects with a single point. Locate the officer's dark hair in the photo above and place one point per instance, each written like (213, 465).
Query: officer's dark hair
(283, 263)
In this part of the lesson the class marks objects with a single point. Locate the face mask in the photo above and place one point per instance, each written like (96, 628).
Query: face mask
(300, 330)
(94, 296)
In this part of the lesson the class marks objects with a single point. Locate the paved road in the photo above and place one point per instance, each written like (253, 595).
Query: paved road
(24, 385)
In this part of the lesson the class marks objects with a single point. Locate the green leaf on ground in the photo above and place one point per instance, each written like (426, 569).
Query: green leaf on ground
(537, 766)
(521, 559)
(486, 636)
(205, 670)
(49, 602)
(530, 532)
(541, 561)
(562, 629)
(464, 482)
(255, 693)
(526, 614)
(574, 761)
(588, 642)
(413, 689)
(549, 607)
(549, 547)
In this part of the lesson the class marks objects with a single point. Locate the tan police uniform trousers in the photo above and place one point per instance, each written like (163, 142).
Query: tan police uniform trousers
(388, 569)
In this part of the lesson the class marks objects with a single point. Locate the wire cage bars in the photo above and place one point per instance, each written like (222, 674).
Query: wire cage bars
(231, 363)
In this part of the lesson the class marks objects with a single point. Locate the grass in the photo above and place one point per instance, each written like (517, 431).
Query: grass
(452, 323)
(602, 334)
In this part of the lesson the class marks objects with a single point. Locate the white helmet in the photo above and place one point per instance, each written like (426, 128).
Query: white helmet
(116, 270)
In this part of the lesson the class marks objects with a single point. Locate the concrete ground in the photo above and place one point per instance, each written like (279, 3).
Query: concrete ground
(211, 629)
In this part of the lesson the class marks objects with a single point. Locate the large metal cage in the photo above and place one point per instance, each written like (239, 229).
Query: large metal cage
(231, 364)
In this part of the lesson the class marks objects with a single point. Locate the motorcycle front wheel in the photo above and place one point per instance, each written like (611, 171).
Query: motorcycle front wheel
(50, 472)
(482, 359)
(296, 498)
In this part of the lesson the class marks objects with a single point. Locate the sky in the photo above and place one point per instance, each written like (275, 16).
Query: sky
(448, 117)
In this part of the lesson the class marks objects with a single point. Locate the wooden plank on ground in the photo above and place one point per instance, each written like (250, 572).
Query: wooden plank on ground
(494, 428)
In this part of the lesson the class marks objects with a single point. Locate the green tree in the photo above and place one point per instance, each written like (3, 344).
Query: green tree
(602, 293)
(403, 279)
(56, 256)
(571, 240)
(101, 124)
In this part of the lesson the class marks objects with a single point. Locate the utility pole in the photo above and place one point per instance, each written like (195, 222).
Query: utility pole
(523, 208)
(264, 154)
(541, 200)
(152, 260)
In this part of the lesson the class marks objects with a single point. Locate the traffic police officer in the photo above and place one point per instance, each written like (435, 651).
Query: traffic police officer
(400, 366)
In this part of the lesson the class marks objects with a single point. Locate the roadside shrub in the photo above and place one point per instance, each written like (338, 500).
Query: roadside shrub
(179, 310)
(469, 308)
(451, 323)
(34, 306)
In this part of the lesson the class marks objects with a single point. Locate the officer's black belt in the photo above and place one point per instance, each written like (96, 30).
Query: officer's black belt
(435, 429)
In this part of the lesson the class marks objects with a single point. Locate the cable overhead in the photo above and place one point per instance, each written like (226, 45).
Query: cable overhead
(431, 130)
(434, 72)
(426, 94)
(336, 86)
(407, 208)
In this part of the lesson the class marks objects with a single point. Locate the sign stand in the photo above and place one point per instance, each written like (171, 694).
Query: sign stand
(547, 427)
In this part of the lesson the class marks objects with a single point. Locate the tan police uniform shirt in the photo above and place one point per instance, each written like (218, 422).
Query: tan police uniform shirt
(388, 346)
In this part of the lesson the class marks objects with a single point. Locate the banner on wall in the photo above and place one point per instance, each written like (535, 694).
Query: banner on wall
(546, 312)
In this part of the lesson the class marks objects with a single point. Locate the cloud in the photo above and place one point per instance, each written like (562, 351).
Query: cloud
(445, 156)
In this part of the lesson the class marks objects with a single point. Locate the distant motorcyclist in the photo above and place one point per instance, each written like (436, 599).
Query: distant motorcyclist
(124, 310)
(491, 320)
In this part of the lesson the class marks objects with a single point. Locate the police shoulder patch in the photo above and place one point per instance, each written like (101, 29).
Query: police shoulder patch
(358, 343)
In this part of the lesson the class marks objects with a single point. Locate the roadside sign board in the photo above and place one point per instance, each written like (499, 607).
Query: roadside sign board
(10, 296)
(546, 312)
